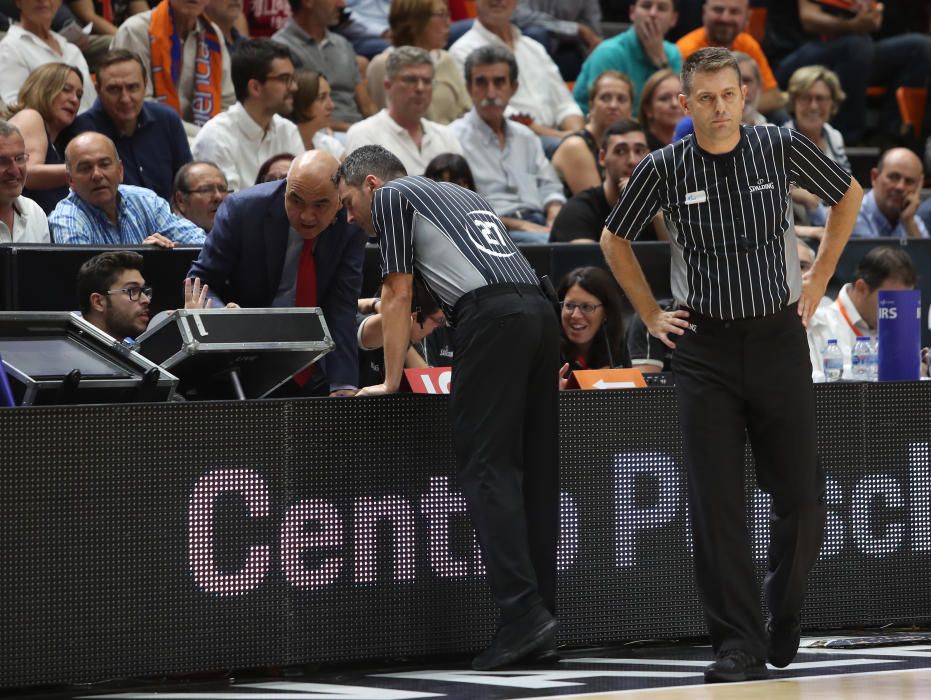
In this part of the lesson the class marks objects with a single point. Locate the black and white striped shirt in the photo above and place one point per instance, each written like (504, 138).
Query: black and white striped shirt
(449, 234)
(730, 217)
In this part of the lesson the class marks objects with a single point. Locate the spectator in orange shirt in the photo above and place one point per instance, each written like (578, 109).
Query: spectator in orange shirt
(723, 23)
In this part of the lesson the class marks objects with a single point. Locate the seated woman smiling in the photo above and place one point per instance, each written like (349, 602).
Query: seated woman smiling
(592, 325)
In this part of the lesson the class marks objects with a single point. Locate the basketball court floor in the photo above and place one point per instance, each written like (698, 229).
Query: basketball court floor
(841, 667)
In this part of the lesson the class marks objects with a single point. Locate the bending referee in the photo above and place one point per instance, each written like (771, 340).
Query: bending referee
(504, 402)
(741, 358)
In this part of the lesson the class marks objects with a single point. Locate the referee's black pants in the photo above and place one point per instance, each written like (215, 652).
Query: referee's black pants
(504, 409)
(734, 379)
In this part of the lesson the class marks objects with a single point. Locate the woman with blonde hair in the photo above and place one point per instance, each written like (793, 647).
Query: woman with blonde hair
(48, 102)
(660, 110)
(610, 99)
(312, 112)
(814, 96)
(425, 24)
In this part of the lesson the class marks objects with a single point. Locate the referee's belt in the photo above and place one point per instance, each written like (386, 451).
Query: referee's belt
(494, 290)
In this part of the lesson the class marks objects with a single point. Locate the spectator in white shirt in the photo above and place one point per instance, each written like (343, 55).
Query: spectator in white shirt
(505, 157)
(21, 219)
(854, 313)
(542, 98)
(252, 130)
(32, 43)
(401, 127)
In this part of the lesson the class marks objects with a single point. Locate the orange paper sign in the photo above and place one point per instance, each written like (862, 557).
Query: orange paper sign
(606, 379)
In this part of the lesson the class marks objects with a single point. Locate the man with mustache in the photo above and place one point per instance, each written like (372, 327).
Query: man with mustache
(505, 157)
(542, 99)
(21, 219)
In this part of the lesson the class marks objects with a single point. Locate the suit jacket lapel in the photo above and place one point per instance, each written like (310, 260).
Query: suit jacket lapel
(275, 228)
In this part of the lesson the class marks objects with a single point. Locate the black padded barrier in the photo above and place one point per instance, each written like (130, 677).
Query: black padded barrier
(42, 278)
(151, 539)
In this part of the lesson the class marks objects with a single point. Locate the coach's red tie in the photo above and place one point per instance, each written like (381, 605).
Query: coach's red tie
(306, 294)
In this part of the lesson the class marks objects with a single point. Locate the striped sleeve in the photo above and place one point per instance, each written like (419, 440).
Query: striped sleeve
(811, 169)
(638, 203)
(393, 218)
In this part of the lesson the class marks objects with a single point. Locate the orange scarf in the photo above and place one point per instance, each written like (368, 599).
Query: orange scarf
(166, 50)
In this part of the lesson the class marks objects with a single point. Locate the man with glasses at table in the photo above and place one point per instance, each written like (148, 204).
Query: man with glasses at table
(200, 188)
(254, 129)
(114, 296)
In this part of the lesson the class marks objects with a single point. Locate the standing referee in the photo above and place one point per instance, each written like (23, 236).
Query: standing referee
(741, 358)
(504, 402)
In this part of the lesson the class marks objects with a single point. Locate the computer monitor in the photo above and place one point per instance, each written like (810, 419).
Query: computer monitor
(235, 353)
(56, 357)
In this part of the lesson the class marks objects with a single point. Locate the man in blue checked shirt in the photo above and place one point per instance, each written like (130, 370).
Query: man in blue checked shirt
(101, 211)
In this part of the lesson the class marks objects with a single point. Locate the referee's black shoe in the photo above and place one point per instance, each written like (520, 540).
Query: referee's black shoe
(735, 665)
(784, 638)
(546, 656)
(517, 640)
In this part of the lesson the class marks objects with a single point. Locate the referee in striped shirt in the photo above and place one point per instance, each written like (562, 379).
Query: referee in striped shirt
(741, 359)
(504, 401)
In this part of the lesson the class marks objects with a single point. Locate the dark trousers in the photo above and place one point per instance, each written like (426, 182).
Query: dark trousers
(504, 413)
(735, 379)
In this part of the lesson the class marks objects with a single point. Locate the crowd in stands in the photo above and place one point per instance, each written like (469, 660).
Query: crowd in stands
(132, 122)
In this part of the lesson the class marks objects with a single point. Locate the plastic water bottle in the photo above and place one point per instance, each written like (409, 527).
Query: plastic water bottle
(833, 361)
(860, 359)
(874, 360)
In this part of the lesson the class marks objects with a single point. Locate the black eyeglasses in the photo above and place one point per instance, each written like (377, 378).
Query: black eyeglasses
(286, 79)
(586, 308)
(132, 292)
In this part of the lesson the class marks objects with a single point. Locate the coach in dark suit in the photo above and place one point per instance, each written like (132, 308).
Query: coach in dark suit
(256, 255)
